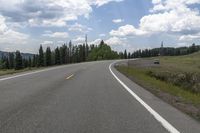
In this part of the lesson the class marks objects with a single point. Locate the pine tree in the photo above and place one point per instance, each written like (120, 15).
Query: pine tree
(24, 63)
(18, 61)
(29, 62)
(57, 56)
(63, 54)
(102, 43)
(34, 61)
(84, 52)
(87, 51)
(70, 51)
(125, 55)
(7, 63)
(41, 57)
(48, 56)
(11, 60)
(129, 55)
(81, 53)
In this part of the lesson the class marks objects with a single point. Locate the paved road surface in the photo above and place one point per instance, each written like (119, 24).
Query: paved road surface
(82, 98)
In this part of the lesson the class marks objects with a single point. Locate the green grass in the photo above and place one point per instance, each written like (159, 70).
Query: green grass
(181, 95)
(146, 81)
(187, 63)
(13, 71)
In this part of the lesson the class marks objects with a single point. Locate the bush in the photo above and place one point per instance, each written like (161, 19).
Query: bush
(189, 81)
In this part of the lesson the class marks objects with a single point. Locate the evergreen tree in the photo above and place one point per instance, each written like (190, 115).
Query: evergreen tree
(121, 55)
(81, 53)
(24, 63)
(70, 51)
(129, 55)
(29, 62)
(63, 54)
(18, 61)
(48, 56)
(11, 60)
(102, 43)
(57, 56)
(193, 48)
(125, 55)
(34, 61)
(41, 57)
(7, 63)
(84, 52)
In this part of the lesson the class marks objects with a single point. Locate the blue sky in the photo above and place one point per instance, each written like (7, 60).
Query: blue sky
(123, 24)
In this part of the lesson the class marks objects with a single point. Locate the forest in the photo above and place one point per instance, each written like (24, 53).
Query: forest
(69, 53)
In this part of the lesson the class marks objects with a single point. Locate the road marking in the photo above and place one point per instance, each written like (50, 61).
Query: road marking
(158, 117)
(37, 71)
(70, 76)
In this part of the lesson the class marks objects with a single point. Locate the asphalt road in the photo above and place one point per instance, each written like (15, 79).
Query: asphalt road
(83, 98)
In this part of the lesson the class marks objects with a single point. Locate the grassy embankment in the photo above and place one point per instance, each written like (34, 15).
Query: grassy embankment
(176, 80)
(13, 71)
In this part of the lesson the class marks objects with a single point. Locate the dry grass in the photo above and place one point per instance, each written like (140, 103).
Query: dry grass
(158, 81)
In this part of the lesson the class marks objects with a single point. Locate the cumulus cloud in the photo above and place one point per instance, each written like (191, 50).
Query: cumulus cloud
(102, 2)
(57, 35)
(79, 28)
(10, 36)
(166, 16)
(47, 43)
(48, 12)
(127, 30)
(115, 41)
(96, 42)
(79, 39)
(189, 37)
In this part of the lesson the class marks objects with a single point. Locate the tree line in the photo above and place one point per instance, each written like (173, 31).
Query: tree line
(69, 53)
(162, 51)
(65, 54)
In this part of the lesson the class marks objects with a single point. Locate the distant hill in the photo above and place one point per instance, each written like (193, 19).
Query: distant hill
(24, 55)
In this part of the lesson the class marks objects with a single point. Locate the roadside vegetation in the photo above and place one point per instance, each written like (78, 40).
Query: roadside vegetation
(14, 62)
(176, 79)
(66, 54)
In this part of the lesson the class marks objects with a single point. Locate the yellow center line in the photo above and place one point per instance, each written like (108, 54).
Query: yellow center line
(70, 76)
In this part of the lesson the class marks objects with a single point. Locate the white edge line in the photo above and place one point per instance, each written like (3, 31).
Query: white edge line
(29, 73)
(158, 117)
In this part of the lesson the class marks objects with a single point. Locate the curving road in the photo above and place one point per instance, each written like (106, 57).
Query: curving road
(84, 98)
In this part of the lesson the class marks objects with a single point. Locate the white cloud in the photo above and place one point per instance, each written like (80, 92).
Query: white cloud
(103, 2)
(9, 36)
(47, 43)
(118, 20)
(57, 35)
(48, 12)
(189, 37)
(115, 41)
(156, 1)
(171, 16)
(127, 30)
(79, 28)
(96, 42)
(167, 16)
(79, 39)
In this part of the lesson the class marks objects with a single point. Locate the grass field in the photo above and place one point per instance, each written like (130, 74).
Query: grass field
(176, 80)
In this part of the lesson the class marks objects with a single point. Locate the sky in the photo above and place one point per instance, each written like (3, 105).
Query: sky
(122, 24)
